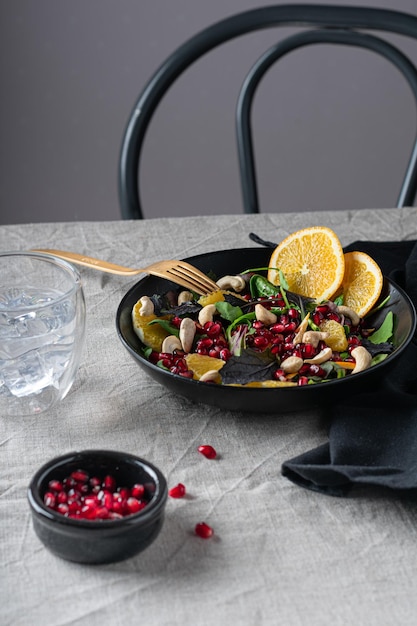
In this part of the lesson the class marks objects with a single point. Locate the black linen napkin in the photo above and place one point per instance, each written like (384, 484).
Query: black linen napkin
(372, 436)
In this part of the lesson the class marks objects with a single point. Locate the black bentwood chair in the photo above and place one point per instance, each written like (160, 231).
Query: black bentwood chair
(328, 24)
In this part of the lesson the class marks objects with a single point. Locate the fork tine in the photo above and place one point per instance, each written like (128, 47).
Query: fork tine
(203, 279)
(190, 282)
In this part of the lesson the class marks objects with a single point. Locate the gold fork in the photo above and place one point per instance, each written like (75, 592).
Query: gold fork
(179, 272)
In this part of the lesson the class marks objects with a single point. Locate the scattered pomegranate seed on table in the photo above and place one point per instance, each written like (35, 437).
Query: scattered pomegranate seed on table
(80, 496)
(208, 451)
(178, 491)
(203, 530)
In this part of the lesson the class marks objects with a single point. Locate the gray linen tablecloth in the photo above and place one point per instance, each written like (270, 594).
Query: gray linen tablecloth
(280, 554)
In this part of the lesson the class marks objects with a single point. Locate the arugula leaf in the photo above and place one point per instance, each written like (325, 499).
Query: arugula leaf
(260, 286)
(385, 331)
(249, 366)
(228, 311)
(379, 358)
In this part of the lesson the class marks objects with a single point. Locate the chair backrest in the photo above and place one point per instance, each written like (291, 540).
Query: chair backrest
(330, 25)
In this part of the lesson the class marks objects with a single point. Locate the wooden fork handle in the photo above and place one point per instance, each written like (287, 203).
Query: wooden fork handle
(88, 261)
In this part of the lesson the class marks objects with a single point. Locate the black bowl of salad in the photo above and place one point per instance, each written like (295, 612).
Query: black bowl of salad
(265, 349)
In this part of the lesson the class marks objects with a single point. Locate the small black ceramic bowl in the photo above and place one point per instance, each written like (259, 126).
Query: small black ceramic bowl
(106, 540)
(259, 400)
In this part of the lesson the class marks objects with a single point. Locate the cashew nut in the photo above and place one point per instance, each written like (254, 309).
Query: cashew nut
(264, 315)
(184, 296)
(212, 376)
(147, 307)
(362, 358)
(187, 333)
(350, 313)
(291, 364)
(237, 283)
(313, 337)
(206, 314)
(321, 357)
(301, 330)
(170, 344)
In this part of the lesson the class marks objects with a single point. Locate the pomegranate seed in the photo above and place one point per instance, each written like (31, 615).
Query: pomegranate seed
(213, 329)
(178, 491)
(187, 374)
(334, 316)
(261, 342)
(118, 507)
(134, 505)
(106, 499)
(79, 476)
(92, 500)
(290, 327)
(208, 451)
(203, 530)
(49, 499)
(55, 485)
(109, 482)
(101, 512)
(307, 351)
(138, 491)
(279, 374)
(69, 482)
(303, 380)
(205, 342)
(88, 512)
(293, 313)
(61, 497)
(63, 508)
(73, 507)
(225, 354)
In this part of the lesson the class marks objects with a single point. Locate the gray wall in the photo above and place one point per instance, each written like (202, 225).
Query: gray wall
(333, 131)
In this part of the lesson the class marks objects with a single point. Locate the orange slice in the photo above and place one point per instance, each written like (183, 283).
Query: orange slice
(312, 262)
(200, 364)
(151, 336)
(362, 282)
(336, 340)
(270, 384)
(211, 298)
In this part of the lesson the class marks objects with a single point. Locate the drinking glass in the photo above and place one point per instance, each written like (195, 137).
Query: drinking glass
(42, 326)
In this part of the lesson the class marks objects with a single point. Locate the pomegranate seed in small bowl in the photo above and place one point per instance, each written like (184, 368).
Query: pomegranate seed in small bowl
(97, 506)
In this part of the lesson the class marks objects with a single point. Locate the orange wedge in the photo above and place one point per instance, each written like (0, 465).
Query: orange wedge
(200, 364)
(337, 339)
(312, 262)
(151, 336)
(362, 282)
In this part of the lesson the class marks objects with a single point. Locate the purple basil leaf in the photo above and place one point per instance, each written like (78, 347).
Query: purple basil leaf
(248, 367)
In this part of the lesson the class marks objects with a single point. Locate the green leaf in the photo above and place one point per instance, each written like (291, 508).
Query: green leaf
(228, 311)
(385, 331)
(378, 358)
(260, 286)
(166, 325)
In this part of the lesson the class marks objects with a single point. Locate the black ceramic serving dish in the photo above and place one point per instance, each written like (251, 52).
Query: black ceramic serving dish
(263, 400)
(99, 541)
